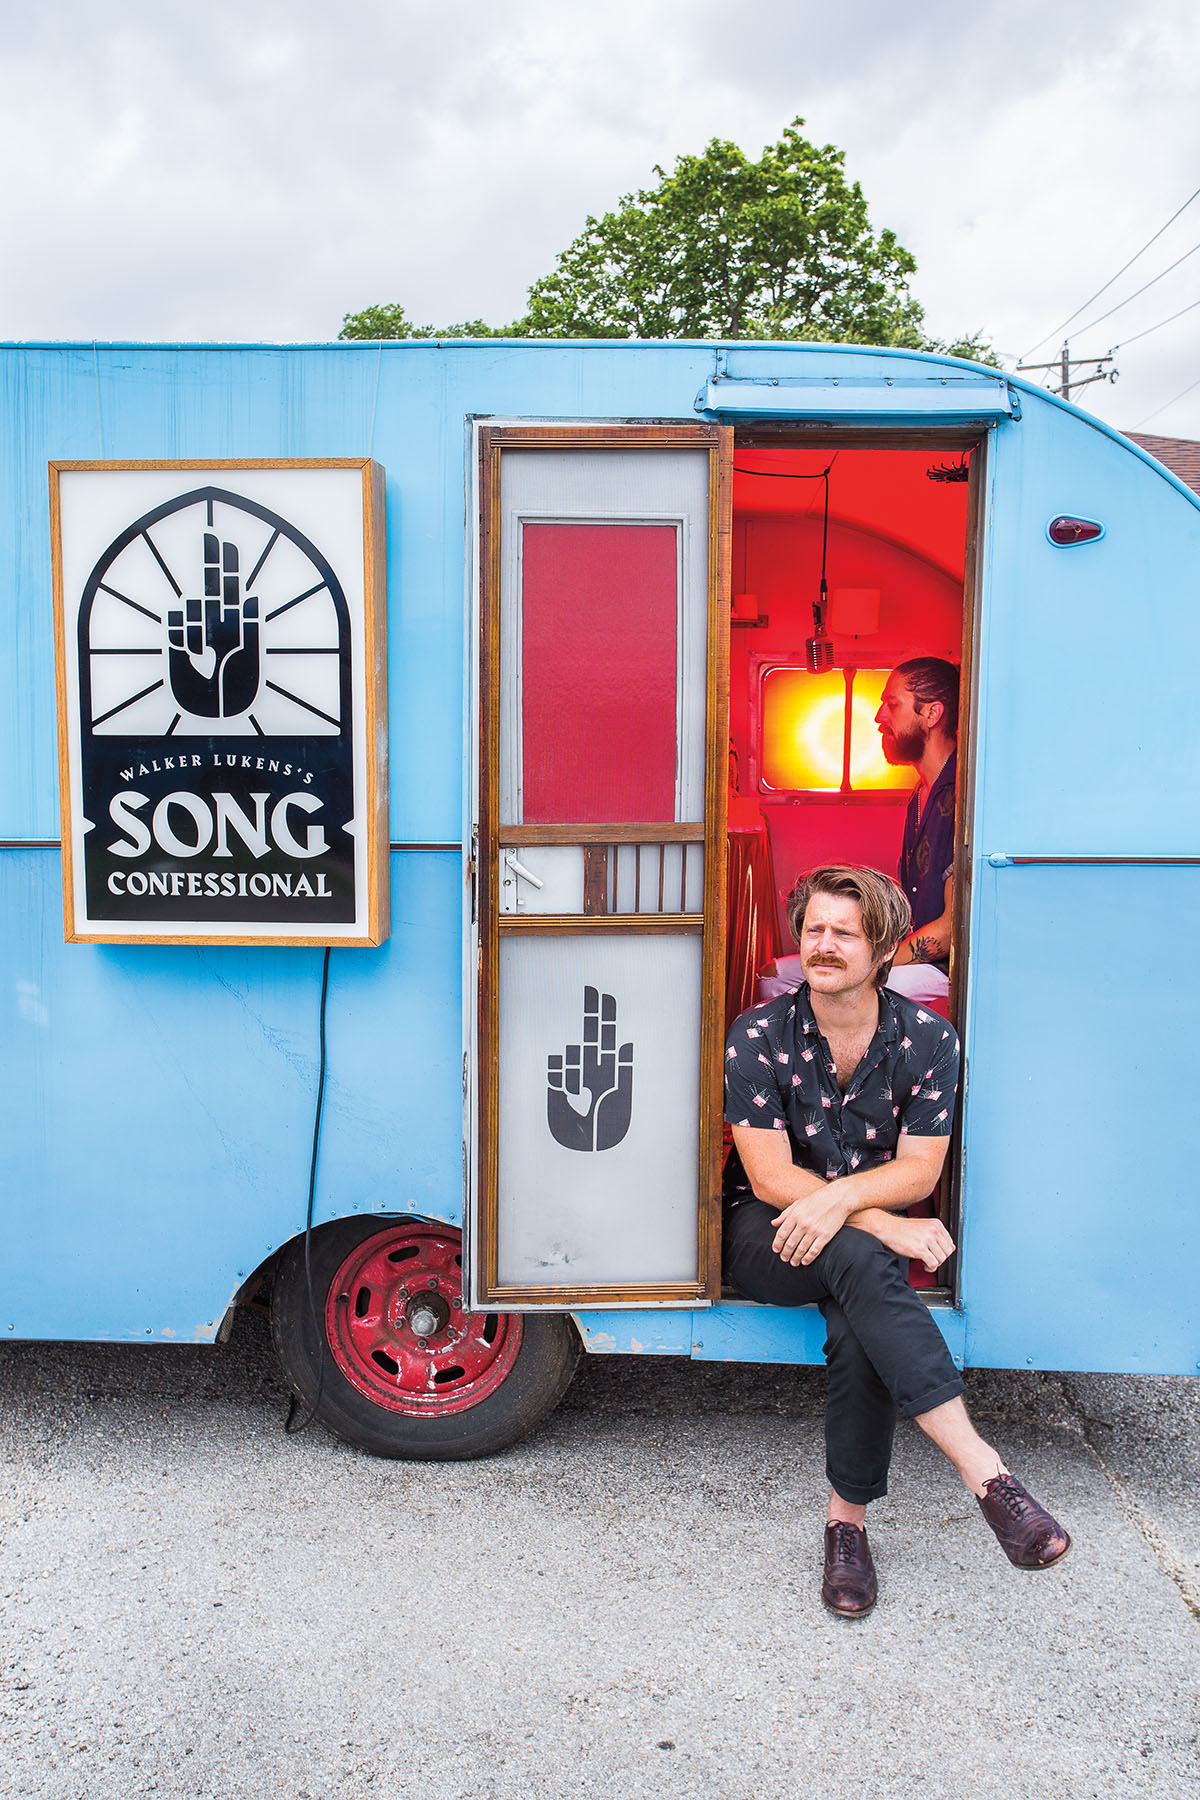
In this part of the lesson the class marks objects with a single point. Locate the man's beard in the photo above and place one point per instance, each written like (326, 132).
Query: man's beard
(904, 746)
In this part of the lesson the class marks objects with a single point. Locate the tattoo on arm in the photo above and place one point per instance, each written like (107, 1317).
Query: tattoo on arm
(922, 949)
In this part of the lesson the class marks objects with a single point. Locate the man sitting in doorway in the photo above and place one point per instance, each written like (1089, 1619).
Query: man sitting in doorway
(840, 1096)
(918, 724)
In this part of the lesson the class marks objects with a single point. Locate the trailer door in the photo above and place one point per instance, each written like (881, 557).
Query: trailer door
(600, 821)
(1081, 1233)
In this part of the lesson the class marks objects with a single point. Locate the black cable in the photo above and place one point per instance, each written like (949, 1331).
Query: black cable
(819, 617)
(1109, 282)
(318, 1323)
(1190, 307)
(1137, 292)
(780, 475)
(821, 475)
(1166, 404)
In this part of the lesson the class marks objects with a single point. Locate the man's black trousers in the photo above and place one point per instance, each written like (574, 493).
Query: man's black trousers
(882, 1350)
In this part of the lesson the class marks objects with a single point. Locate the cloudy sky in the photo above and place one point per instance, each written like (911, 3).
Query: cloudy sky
(253, 170)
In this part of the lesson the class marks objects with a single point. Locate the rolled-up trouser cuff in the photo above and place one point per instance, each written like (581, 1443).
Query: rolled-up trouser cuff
(856, 1496)
(938, 1396)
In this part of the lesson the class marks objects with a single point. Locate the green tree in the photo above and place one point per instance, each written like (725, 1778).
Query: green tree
(724, 247)
(974, 348)
(393, 322)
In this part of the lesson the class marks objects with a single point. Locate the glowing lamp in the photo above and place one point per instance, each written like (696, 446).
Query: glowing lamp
(819, 733)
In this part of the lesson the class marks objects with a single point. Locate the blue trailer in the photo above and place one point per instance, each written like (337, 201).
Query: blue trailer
(483, 1128)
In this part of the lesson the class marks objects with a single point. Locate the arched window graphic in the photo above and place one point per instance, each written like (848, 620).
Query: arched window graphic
(211, 616)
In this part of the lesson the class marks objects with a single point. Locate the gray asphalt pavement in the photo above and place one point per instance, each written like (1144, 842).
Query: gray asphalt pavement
(194, 1606)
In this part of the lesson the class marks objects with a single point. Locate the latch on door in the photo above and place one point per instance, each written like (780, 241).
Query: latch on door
(518, 871)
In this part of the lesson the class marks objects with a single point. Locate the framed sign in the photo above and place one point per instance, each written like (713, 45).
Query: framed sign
(222, 701)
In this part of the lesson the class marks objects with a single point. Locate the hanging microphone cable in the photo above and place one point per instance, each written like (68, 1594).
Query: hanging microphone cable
(818, 649)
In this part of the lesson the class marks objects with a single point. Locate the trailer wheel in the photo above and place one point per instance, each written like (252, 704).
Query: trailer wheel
(407, 1372)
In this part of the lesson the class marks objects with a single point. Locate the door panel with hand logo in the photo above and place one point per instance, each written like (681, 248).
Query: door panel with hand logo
(598, 1096)
(589, 1089)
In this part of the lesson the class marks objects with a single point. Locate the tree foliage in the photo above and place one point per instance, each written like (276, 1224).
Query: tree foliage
(392, 321)
(724, 247)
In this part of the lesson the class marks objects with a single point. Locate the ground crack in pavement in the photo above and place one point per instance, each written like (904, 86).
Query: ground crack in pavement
(1141, 1520)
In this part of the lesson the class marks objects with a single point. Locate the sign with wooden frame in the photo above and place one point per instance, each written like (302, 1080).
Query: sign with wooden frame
(220, 634)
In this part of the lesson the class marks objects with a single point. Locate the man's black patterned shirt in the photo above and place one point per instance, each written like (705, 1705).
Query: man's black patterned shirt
(779, 1076)
(927, 853)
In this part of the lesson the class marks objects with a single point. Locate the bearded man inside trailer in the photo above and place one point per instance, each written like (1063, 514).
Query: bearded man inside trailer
(918, 724)
(840, 1096)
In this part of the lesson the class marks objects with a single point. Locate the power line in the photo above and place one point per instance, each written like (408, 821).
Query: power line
(1141, 290)
(1103, 290)
(1190, 307)
(1166, 404)
(1064, 365)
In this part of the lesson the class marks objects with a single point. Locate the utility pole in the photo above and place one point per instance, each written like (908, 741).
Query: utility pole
(1067, 381)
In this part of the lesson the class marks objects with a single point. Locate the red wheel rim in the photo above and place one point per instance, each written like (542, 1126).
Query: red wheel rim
(398, 1330)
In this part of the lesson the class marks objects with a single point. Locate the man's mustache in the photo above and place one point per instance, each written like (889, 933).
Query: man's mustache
(825, 962)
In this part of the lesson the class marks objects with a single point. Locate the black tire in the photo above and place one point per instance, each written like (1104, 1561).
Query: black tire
(534, 1358)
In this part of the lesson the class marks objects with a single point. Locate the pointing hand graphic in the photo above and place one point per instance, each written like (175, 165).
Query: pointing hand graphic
(213, 642)
(589, 1095)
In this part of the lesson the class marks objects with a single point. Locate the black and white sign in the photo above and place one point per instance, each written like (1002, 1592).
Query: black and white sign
(219, 702)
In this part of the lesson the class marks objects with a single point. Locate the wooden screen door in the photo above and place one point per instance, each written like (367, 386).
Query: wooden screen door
(601, 786)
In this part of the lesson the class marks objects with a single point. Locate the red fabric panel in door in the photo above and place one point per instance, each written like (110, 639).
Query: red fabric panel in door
(598, 647)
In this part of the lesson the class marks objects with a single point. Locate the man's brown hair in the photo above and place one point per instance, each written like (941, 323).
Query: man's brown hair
(886, 914)
(932, 678)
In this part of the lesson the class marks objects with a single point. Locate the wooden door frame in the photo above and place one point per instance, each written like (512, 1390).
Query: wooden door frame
(493, 441)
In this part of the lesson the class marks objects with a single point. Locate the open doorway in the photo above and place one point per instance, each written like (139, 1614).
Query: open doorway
(606, 760)
(891, 522)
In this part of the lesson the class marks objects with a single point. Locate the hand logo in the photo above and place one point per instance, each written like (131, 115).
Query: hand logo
(213, 642)
(597, 1070)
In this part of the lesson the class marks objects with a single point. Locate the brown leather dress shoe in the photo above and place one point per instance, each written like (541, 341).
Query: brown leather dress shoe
(1029, 1537)
(849, 1588)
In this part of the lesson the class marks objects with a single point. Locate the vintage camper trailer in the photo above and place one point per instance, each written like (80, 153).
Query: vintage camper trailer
(406, 805)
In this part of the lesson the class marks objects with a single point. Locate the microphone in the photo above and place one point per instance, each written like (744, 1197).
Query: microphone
(818, 649)
(818, 654)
